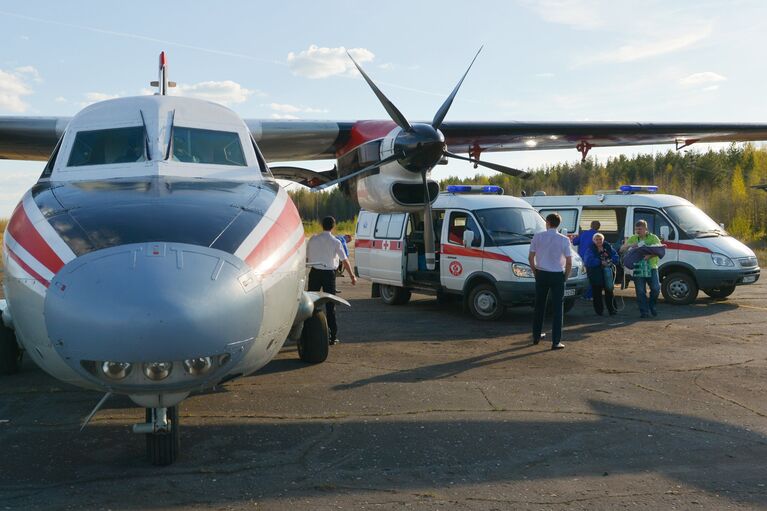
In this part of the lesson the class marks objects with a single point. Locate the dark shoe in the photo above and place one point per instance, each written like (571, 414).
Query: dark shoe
(653, 312)
(536, 341)
(601, 313)
(613, 313)
(334, 341)
(559, 346)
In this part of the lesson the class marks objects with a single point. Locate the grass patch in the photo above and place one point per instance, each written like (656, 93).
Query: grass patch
(313, 227)
(761, 254)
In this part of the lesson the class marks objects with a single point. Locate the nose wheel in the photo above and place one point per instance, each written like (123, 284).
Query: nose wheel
(163, 441)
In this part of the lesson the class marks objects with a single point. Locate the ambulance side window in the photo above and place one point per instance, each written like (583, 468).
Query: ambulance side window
(382, 226)
(395, 226)
(459, 223)
(655, 220)
(569, 216)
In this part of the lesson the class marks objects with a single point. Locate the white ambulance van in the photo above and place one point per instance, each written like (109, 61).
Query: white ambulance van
(700, 255)
(482, 239)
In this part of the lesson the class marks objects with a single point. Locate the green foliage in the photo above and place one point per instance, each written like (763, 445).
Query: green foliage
(342, 227)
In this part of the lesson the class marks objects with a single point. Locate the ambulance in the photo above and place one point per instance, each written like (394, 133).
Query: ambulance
(482, 240)
(700, 254)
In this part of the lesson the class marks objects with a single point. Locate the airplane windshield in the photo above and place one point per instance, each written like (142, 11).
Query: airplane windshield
(111, 146)
(694, 222)
(193, 145)
(510, 226)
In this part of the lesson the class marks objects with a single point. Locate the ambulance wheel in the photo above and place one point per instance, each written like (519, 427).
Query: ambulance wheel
(720, 293)
(394, 295)
(485, 303)
(569, 304)
(679, 289)
(313, 346)
(10, 354)
(162, 448)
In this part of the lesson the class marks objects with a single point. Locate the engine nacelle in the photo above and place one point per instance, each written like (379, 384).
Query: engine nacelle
(393, 188)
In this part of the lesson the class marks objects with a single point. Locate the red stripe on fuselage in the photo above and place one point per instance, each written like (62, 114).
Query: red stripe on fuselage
(287, 256)
(29, 238)
(474, 252)
(365, 131)
(27, 268)
(283, 228)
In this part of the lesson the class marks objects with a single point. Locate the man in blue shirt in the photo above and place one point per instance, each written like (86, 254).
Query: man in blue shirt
(583, 241)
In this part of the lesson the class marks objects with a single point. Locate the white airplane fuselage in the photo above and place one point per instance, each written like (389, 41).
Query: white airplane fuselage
(154, 274)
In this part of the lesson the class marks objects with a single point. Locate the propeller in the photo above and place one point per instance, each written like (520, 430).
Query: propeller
(418, 148)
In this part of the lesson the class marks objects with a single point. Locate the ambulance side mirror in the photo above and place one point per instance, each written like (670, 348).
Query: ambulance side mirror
(664, 232)
(468, 238)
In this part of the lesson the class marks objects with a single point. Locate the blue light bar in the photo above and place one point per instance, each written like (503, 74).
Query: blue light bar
(458, 188)
(497, 190)
(638, 188)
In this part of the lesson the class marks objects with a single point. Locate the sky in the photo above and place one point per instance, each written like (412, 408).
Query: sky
(547, 60)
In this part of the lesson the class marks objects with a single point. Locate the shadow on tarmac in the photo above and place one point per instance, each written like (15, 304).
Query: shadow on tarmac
(253, 459)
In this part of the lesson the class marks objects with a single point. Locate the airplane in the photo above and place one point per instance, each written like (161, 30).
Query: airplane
(157, 255)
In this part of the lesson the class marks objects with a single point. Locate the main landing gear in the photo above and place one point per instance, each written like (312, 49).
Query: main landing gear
(10, 354)
(163, 441)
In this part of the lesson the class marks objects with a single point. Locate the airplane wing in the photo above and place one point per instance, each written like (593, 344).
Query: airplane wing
(34, 138)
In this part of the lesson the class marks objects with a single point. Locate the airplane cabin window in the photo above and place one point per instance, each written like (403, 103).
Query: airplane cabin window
(111, 146)
(192, 145)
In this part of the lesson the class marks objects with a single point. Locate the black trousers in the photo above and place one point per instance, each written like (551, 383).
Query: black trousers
(597, 299)
(549, 284)
(325, 280)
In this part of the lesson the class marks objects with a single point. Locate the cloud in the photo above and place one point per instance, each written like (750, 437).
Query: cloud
(283, 116)
(13, 87)
(648, 49)
(317, 62)
(285, 108)
(29, 71)
(702, 78)
(60, 99)
(225, 92)
(95, 97)
(578, 14)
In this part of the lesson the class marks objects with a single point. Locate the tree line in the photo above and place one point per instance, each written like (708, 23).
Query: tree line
(719, 182)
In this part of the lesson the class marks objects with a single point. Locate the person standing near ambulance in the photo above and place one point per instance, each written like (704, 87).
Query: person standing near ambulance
(323, 253)
(551, 261)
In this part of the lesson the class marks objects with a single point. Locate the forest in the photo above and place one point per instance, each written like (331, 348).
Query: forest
(719, 182)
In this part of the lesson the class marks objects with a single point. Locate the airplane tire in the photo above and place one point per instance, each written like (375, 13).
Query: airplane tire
(10, 354)
(394, 295)
(162, 448)
(720, 293)
(313, 346)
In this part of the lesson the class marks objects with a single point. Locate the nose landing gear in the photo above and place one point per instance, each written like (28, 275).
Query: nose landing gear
(163, 441)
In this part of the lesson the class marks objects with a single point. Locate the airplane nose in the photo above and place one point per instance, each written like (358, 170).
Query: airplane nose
(153, 303)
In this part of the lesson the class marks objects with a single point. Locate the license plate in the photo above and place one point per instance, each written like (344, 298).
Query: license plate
(571, 292)
(746, 280)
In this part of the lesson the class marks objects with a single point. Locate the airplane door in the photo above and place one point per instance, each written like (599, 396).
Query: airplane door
(457, 261)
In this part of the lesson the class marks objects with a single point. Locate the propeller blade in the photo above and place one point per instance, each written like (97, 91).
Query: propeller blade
(358, 173)
(392, 110)
(494, 166)
(442, 112)
(428, 226)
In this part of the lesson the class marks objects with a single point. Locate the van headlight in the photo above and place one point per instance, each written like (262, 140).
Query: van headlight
(721, 260)
(522, 271)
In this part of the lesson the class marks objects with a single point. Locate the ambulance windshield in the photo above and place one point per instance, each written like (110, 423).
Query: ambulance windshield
(694, 222)
(510, 226)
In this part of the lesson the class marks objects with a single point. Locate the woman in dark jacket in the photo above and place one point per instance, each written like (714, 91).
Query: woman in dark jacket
(599, 257)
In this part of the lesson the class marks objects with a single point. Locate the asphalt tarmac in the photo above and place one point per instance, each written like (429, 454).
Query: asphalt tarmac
(422, 407)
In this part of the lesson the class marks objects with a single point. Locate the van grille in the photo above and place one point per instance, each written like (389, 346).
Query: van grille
(748, 262)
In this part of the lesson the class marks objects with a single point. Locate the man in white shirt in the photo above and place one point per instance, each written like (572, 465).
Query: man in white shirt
(323, 253)
(551, 260)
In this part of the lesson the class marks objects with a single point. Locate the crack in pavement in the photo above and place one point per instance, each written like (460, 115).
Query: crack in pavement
(724, 398)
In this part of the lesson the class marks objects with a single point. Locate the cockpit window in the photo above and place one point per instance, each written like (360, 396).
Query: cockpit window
(193, 145)
(104, 147)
